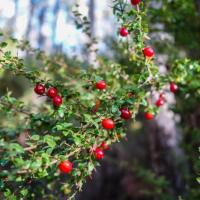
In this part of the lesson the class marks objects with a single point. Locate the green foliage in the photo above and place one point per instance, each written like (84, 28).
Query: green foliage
(181, 19)
(73, 131)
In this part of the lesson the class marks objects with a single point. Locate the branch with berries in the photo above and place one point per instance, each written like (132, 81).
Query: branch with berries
(84, 112)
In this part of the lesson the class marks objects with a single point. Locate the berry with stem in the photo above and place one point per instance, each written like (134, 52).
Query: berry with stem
(99, 154)
(148, 52)
(125, 113)
(39, 89)
(108, 124)
(57, 101)
(160, 102)
(162, 95)
(123, 32)
(65, 166)
(52, 92)
(104, 146)
(173, 87)
(148, 116)
(101, 85)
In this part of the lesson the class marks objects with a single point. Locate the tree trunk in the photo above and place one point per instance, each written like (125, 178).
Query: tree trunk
(54, 23)
(41, 20)
(31, 15)
(92, 16)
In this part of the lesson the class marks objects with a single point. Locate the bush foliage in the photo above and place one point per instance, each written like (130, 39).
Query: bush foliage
(35, 138)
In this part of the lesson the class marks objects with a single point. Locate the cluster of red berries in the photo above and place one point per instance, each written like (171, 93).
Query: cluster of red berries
(147, 51)
(161, 100)
(66, 166)
(51, 92)
(108, 124)
(99, 151)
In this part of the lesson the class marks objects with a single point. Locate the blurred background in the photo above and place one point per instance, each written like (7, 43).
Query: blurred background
(49, 24)
(157, 160)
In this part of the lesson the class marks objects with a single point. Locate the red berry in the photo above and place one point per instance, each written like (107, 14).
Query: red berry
(160, 102)
(125, 113)
(99, 154)
(148, 52)
(123, 32)
(148, 116)
(104, 146)
(52, 92)
(108, 123)
(57, 101)
(135, 2)
(101, 85)
(173, 87)
(39, 89)
(162, 95)
(65, 166)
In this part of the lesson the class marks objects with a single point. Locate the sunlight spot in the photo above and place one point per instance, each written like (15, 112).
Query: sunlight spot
(7, 9)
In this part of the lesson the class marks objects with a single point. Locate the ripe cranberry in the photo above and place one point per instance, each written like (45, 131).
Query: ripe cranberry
(108, 124)
(123, 32)
(57, 101)
(99, 154)
(52, 92)
(101, 85)
(39, 89)
(104, 146)
(125, 113)
(65, 166)
(173, 87)
(135, 2)
(148, 116)
(160, 102)
(148, 52)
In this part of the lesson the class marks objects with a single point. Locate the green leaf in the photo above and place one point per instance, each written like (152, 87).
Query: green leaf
(198, 180)
(35, 137)
(63, 126)
(61, 112)
(50, 140)
(114, 109)
(77, 140)
(90, 167)
(144, 102)
(36, 164)
(3, 44)
(16, 148)
(24, 192)
(3, 162)
(7, 54)
(1, 183)
(42, 173)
